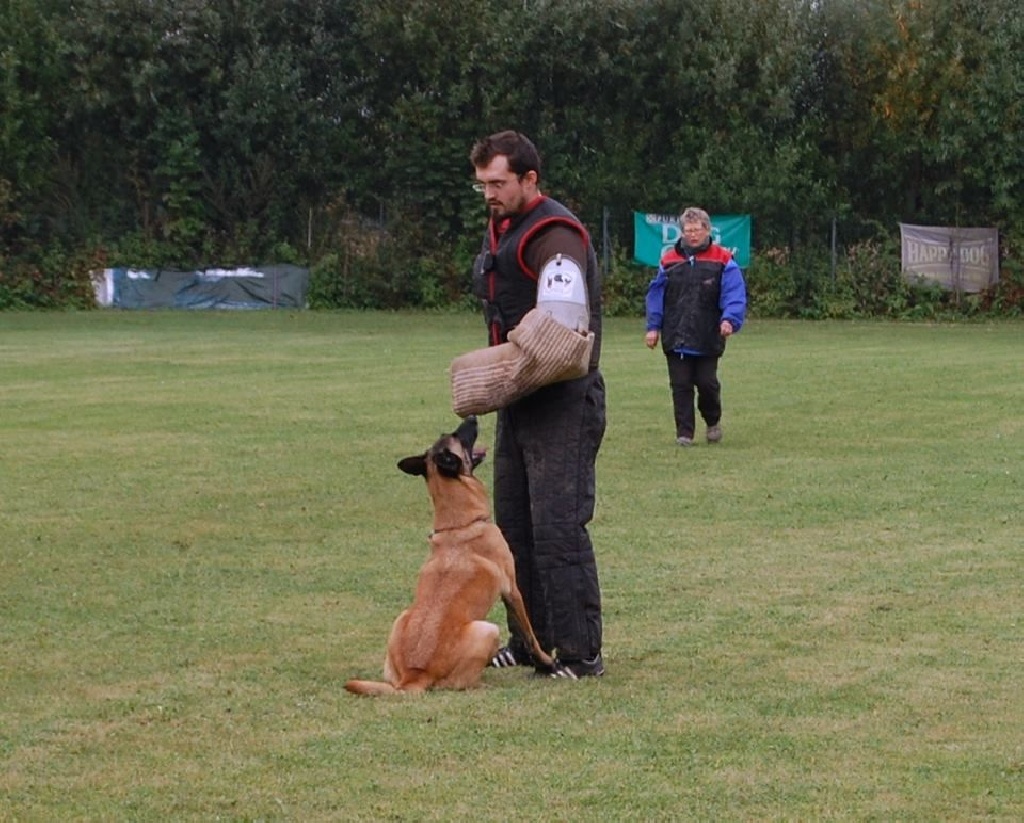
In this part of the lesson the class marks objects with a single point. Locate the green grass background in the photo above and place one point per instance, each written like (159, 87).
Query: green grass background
(203, 534)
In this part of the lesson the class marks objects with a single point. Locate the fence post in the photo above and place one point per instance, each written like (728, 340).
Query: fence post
(835, 241)
(605, 243)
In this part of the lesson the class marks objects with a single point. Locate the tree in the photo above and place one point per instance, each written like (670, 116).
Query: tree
(31, 79)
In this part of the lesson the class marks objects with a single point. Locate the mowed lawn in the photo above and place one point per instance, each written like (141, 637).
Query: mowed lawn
(203, 534)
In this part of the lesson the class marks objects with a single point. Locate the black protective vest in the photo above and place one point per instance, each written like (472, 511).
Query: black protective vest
(508, 287)
(692, 292)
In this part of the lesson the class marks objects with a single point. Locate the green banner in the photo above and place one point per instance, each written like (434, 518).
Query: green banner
(654, 234)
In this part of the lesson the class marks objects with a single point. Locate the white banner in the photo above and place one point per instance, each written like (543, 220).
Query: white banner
(963, 260)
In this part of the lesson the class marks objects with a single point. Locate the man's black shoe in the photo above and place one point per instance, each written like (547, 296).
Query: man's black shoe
(507, 656)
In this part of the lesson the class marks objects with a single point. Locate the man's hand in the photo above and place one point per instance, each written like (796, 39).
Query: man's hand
(725, 328)
(651, 339)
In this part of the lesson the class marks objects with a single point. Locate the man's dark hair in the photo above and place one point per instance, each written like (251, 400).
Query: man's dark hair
(518, 148)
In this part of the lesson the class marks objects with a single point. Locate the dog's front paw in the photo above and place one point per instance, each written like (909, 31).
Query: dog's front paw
(544, 662)
(557, 669)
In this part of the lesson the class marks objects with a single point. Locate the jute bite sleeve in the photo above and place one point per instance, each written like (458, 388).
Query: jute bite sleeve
(539, 351)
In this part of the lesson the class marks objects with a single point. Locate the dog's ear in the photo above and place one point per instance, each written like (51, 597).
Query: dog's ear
(448, 463)
(414, 465)
(478, 458)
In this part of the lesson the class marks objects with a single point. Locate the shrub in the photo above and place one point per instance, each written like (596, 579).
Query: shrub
(50, 280)
(871, 279)
(772, 289)
(624, 287)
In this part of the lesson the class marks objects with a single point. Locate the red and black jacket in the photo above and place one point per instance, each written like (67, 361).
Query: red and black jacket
(693, 290)
(507, 284)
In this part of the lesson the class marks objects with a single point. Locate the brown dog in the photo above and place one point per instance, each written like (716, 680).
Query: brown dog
(442, 640)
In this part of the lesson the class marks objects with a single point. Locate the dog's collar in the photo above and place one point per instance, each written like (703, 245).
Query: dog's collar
(483, 518)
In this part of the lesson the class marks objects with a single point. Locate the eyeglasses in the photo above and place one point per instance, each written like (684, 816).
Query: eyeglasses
(694, 230)
(495, 185)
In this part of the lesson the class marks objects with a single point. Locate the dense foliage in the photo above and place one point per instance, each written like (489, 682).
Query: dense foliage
(335, 133)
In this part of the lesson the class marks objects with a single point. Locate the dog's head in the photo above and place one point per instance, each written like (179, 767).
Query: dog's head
(452, 455)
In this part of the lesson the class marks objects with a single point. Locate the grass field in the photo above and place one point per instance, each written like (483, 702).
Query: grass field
(203, 535)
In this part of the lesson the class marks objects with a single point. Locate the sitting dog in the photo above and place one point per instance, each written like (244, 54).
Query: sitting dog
(443, 640)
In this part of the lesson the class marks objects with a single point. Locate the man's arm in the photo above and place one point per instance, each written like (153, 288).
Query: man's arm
(558, 239)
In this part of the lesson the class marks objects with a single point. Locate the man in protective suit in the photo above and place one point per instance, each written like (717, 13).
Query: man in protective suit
(538, 278)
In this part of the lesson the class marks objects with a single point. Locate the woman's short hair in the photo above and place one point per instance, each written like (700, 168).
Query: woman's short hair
(691, 214)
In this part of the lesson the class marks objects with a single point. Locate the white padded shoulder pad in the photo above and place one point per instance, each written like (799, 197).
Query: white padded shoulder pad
(561, 278)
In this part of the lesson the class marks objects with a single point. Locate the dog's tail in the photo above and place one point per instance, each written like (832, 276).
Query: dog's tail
(372, 688)
(417, 684)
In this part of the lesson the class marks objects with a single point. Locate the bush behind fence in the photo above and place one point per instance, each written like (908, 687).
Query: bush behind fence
(376, 269)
